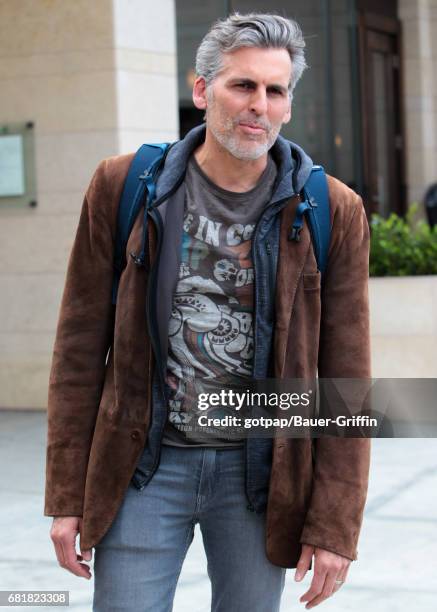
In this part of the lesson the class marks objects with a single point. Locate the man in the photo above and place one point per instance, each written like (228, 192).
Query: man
(213, 293)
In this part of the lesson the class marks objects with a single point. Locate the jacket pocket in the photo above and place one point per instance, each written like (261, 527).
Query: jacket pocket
(311, 282)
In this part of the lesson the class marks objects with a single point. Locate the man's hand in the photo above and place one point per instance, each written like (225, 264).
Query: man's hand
(63, 534)
(328, 567)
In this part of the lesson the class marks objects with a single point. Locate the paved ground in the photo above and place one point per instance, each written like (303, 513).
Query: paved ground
(396, 570)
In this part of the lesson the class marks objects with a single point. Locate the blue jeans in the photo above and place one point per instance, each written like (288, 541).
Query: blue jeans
(138, 561)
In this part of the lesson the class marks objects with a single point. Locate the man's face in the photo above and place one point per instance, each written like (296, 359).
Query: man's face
(248, 101)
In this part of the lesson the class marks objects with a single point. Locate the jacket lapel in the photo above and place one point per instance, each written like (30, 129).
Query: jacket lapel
(291, 261)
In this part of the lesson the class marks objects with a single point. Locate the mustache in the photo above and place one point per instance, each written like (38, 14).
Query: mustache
(265, 125)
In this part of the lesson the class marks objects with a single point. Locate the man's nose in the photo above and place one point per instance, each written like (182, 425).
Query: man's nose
(258, 102)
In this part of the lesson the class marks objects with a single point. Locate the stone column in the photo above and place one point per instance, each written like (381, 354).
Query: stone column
(146, 72)
(419, 23)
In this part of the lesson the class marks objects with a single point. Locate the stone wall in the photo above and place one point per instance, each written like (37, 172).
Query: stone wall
(403, 326)
(97, 79)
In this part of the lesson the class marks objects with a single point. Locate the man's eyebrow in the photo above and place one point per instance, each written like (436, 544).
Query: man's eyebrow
(247, 81)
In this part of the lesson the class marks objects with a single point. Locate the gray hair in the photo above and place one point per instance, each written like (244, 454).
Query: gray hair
(260, 30)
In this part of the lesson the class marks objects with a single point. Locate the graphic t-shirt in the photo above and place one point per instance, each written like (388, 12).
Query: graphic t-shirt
(211, 323)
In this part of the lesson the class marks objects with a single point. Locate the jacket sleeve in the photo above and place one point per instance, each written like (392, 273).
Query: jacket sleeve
(83, 337)
(341, 467)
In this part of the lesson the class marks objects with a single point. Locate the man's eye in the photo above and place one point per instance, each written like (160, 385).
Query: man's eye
(244, 85)
(276, 92)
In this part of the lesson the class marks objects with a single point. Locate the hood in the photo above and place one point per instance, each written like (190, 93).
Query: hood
(293, 170)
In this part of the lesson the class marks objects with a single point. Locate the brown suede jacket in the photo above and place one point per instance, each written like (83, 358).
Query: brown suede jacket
(99, 409)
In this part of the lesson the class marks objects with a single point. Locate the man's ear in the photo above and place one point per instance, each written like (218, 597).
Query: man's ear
(287, 116)
(199, 93)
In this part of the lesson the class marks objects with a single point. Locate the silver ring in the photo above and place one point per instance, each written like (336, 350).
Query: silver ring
(339, 581)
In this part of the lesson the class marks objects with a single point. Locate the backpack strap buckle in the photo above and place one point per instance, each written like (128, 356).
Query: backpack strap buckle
(296, 228)
(295, 233)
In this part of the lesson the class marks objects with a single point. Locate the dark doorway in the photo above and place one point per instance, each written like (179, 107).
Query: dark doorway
(189, 117)
(383, 141)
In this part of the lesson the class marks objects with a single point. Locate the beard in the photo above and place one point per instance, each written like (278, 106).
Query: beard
(245, 147)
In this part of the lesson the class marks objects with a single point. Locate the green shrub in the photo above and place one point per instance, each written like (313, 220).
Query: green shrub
(401, 247)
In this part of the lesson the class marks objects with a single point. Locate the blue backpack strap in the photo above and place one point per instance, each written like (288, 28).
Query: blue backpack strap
(140, 179)
(315, 206)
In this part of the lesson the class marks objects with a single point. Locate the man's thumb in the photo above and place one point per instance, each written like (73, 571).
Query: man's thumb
(86, 555)
(304, 562)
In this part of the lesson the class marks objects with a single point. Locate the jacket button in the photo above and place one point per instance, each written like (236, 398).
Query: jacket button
(135, 435)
